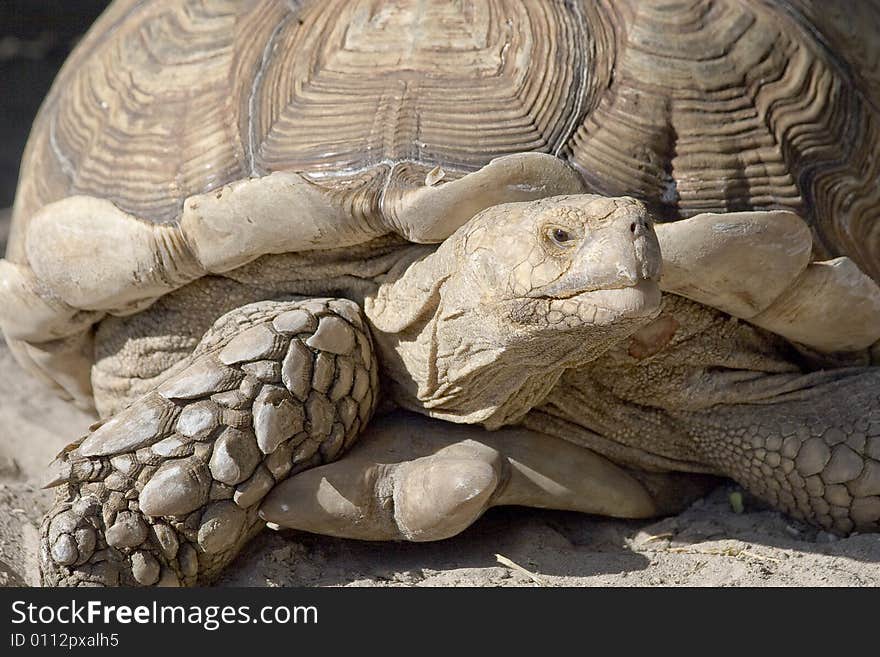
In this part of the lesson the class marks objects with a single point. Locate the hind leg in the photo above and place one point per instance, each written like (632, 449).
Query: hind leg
(167, 491)
(418, 479)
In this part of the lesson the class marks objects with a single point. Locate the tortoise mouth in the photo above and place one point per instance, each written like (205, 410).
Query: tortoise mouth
(604, 307)
(630, 302)
(637, 300)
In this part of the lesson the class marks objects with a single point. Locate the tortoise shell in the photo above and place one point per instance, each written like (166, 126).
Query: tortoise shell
(699, 106)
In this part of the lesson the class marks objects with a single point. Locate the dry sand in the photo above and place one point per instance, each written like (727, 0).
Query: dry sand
(707, 545)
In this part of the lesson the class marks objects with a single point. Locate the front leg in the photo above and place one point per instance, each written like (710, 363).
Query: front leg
(813, 452)
(168, 490)
(697, 392)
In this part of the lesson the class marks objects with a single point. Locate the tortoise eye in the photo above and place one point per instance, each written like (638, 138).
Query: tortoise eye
(561, 237)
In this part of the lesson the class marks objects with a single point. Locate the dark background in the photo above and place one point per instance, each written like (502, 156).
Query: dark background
(35, 38)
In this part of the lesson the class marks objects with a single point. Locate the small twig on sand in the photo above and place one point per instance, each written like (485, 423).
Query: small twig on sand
(504, 561)
(657, 537)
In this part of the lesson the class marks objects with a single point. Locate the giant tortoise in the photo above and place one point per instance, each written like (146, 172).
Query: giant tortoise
(244, 228)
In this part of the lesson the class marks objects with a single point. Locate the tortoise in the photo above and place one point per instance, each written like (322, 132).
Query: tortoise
(244, 229)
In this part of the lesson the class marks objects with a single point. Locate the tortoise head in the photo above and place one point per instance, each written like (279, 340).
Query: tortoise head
(481, 329)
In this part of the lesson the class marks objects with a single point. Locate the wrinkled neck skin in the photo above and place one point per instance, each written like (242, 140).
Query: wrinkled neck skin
(450, 349)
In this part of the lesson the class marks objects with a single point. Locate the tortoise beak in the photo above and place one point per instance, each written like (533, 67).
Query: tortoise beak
(621, 252)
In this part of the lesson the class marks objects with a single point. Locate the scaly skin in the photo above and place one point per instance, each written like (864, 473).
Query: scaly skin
(168, 490)
(813, 453)
(702, 392)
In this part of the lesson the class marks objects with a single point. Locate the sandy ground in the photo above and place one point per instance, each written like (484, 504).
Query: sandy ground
(707, 545)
